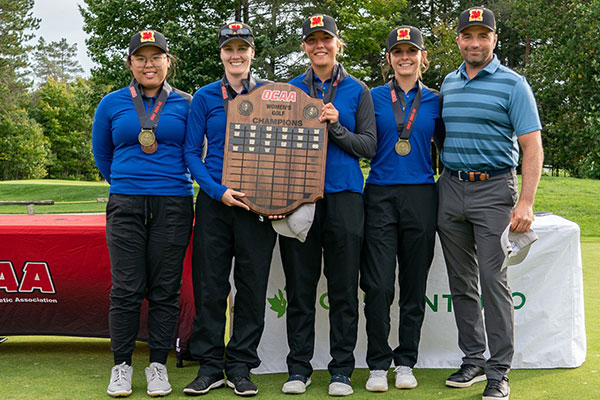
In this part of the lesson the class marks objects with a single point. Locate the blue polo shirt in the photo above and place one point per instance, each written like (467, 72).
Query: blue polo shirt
(118, 153)
(208, 120)
(484, 116)
(352, 137)
(390, 168)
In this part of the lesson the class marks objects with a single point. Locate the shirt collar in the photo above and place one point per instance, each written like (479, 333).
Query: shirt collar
(399, 90)
(488, 69)
(310, 76)
(249, 84)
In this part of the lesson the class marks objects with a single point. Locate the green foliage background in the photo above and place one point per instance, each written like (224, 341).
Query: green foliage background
(553, 43)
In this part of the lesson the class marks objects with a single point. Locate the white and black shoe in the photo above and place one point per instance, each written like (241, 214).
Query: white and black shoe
(496, 389)
(203, 384)
(296, 384)
(242, 386)
(340, 385)
(466, 376)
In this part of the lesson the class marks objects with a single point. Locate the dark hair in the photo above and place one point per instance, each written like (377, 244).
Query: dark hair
(170, 71)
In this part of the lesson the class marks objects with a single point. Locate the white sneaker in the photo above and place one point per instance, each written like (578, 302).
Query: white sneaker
(377, 381)
(296, 384)
(340, 385)
(158, 380)
(405, 378)
(120, 380)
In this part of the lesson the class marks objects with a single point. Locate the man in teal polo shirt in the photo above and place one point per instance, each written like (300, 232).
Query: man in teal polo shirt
(489, 111)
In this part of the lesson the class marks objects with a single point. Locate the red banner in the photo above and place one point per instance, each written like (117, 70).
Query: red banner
(55, 278)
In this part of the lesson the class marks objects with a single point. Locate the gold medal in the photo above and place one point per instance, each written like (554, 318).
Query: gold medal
(150, 149)
(146, 138)
(402, 147)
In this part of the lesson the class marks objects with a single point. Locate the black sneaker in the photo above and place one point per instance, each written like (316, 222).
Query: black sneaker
(202, 384)
(242, 386)
(466, 376)
(496, 389)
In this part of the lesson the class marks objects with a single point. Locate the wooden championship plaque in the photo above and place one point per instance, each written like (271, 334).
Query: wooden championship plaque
(275, 148)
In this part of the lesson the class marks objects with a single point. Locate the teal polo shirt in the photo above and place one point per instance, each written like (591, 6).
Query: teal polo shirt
(484, 116)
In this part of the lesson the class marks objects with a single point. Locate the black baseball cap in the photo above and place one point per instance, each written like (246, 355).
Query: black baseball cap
(148, 38)
(405, 34)
(319, 22)
(235, 30)
(477, 16)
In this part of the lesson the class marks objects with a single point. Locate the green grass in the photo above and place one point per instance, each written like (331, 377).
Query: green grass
(56, 368)
(574, 199)
(68, 196)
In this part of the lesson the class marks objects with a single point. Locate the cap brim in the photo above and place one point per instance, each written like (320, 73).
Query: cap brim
(250, 43)
(148, 44)
(406, 42)
(476, 24)
(319, 30)
(297, 224)
(516, 245)
(281, 226)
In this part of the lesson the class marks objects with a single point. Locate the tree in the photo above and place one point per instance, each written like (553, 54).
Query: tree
(191, 30)
(364, 27)
(564, 71)
(65, 112)
(15, 21)
(276, 24)
(56, 60)
(189, 25)
(23, 147)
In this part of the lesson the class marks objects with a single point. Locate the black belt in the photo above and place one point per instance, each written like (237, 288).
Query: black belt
(478, 176)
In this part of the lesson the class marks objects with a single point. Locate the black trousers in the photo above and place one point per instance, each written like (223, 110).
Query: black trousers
(147, 238)
(336, 235)
(400, 224)
(220, 234)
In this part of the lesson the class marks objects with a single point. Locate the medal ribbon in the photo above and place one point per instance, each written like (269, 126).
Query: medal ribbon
(404, 130)
(227, 92)
(149, 120)
(328, 96)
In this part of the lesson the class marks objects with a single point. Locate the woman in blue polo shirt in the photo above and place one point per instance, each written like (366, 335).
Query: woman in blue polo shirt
(137, 139)
(225, 228)
(337, 230)
(401, 209)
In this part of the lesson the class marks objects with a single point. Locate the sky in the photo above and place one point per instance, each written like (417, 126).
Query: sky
(61, 19)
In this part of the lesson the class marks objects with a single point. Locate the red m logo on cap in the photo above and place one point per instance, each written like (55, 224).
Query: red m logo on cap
(316, 21)
(476, 15)
(147, 36)
(404, 34)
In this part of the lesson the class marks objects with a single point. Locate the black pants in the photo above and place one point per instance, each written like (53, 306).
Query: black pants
(336, 235)
(400, 224)
(221, 233)
(147, 238)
